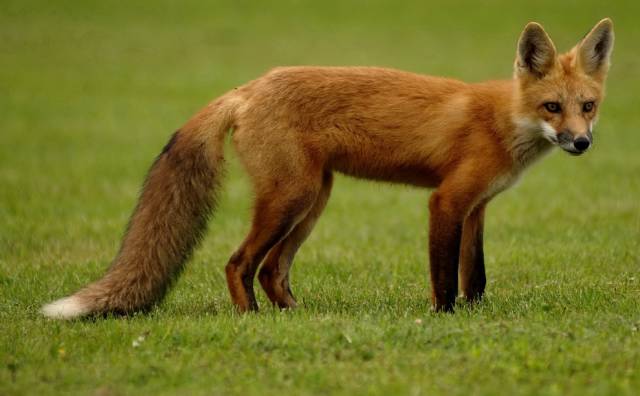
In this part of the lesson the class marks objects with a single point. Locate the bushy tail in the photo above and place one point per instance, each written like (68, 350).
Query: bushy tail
(177, 198)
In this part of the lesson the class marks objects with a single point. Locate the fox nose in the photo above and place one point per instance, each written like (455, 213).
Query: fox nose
(581, 143)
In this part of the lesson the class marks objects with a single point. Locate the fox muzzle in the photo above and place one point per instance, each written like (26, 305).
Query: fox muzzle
(575, 143)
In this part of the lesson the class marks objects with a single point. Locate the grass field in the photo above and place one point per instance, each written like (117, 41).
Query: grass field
(90, 92)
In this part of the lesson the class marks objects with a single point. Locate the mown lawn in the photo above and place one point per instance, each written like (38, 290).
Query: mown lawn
(89, 93)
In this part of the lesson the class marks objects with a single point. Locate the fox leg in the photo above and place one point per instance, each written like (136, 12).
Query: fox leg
(274, 273)
(273, 220)
(448, 207)
(472, 275)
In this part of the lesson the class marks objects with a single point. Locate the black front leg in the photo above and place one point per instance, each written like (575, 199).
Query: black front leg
(472, 274)
(445, 230)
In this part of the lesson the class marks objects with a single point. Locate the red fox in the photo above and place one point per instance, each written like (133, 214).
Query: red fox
(295, 126)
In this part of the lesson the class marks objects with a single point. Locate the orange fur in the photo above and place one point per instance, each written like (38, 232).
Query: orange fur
(295, 126)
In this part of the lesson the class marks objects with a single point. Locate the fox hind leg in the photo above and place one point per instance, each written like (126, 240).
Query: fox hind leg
(274, 273)
(276, 213)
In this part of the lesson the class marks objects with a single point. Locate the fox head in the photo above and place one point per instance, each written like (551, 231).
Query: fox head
(560, 94)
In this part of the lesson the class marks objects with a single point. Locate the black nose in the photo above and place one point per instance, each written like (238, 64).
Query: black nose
(581, 143)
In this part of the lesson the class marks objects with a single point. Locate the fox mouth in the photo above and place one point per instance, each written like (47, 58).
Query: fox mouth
(565, 146)
(573, 151)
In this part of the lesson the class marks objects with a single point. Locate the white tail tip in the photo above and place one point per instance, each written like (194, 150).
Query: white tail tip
(65, 308)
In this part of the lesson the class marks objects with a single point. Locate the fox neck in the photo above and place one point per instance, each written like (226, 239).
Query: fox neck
(523, 137)
(527, 143)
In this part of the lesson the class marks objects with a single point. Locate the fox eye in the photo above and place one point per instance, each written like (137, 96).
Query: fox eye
(552, 107)
(587, 107)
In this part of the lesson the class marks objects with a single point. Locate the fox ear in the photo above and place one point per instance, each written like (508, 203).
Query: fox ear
(594, 51)
(536, 52)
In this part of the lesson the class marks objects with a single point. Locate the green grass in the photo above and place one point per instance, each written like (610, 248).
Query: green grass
(89, 93)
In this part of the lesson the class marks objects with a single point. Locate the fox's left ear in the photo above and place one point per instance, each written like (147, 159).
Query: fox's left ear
(594, 51)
